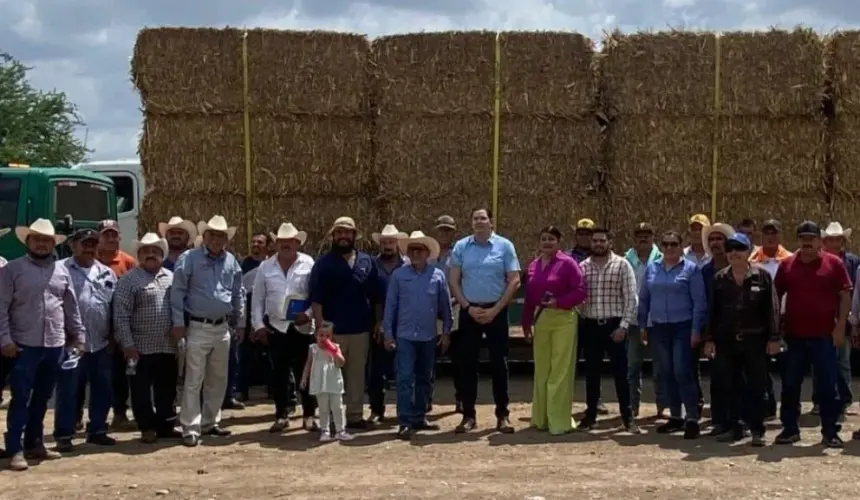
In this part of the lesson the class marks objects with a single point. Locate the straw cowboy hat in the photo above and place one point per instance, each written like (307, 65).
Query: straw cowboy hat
(288, 231)
(389, 231)
(345, 223)
(417, 237)
(41, 227)
(720, 227)
(216, 223)
(4, 231)
(834, 230)
(178, 223)
(150, 240)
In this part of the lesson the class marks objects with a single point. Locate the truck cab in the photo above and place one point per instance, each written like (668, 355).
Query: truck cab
(71, 199)
(129, 185)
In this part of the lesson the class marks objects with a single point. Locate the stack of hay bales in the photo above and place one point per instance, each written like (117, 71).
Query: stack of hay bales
(549, 137)
(843, 53)
(433, 136)
(309, 127)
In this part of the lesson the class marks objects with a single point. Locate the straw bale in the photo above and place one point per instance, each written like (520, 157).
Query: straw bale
(311, 155)
(846, 210)
(790, 210)
(653, 155)
(429, 157)
(663, 73)
(664, 211)
(843, 52)
(307, 72)
(777, 157)
(846, 152)
(419, 214)
(547, 73)
(435, 73)
(159, 206)
(314, 215)
(774, 72)
(193, 153)
(189, 70)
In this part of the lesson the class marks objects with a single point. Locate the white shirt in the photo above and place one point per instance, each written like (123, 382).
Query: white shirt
(690, 255)
(272, 286)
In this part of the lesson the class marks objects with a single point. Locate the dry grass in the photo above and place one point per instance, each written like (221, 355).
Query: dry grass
(846, 153)
(435, 73)
(843, 51)
(419, 214)
(846, 210)
(159, 206)
(664, 211)
(547, 74)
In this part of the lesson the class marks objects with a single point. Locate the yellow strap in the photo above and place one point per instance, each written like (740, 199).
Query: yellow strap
(249, 188)
(497, 112)
(715, 163)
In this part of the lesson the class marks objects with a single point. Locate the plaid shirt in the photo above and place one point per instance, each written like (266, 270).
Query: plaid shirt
(141, 311)
(611, 290)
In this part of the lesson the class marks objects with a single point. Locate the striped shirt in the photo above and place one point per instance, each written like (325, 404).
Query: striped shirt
(611, 290)
(141, 311)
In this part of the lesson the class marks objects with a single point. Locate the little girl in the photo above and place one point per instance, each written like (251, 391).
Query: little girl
(326, 382)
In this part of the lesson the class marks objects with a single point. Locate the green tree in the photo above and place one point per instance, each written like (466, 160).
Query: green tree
(36, 127)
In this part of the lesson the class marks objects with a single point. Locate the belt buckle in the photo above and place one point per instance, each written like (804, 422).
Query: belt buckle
(602, 321)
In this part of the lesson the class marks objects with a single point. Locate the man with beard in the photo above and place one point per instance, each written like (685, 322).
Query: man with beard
(39, 318)
(253, 362)
(94, 285)
(485, 276)
(444, 232)
(817, 291)
(179, 234)
(380, 370)
(142, 318)
(280, 317)
(345, 291)
(207, 301)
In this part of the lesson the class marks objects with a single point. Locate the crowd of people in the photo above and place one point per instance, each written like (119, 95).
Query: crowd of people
(165, 325)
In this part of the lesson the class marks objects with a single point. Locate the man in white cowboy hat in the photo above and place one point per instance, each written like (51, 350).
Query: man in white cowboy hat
(207, 300)
(143, 321)
(180, 234)
(416, 299)
(381, 366)
(280, 317)
(39, 318)
(697, 251)
(345, 290)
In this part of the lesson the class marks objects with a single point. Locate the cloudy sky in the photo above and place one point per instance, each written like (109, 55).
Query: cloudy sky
(82, 47)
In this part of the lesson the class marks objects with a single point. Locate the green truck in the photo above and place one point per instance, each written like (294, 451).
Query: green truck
(72, 199)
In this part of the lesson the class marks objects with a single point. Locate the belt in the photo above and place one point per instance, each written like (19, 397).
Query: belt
(483, 305)
(207, 321)
(601, 321)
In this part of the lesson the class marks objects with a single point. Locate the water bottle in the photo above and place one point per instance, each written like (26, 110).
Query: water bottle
(73, 355)
(131, 367)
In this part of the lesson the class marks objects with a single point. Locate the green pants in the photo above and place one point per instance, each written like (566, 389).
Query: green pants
(554, 364)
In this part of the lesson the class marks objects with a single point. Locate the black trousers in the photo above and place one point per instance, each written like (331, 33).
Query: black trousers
(120, 383)
(5, 369)
(596, 337)
(289, 353)
(741, 369)
(153, 391)
(468, 353)
(379, 373)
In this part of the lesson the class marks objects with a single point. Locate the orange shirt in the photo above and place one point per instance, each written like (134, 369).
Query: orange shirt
(120, 264)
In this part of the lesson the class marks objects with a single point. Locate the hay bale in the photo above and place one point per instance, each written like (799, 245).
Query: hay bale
(843, 52)
(775, 72)
(846, 210)
(790, 210)
(664, 211)
(775, 157)
(310, 155)
(317, 72)
(435, 73)
(419, 214)
(846, 153)
(547, 73)
(658, 73)
(189, 70)
(193, 153)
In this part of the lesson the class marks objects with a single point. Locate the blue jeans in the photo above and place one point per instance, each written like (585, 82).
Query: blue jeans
(95, 368)
(843, 376)
(414, 361)
(635, 358)
(799, 354)
(32, 381)
(671, 343)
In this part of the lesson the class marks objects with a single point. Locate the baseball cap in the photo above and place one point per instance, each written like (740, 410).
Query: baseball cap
(700, 219)
(83, 235)
(643, 227)
(772, 224)
(808, 228)
(108, 225)
(738, 241)
(445, 221)
(586, 224)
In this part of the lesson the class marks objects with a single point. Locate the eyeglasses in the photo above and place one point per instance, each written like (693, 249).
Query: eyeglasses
(670, 244)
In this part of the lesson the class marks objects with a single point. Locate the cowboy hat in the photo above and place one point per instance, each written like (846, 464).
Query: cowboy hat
(216, 223)
(834, 230)
(445, 222)
(720, 227)
(150, 240)
(418, 237)
(288, 231)
(4, 231)
(178, 223)
(389, 231)
(345, 223)
(700, 219)
(41, 227)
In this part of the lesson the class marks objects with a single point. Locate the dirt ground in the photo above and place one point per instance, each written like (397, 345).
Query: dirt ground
(604, 464)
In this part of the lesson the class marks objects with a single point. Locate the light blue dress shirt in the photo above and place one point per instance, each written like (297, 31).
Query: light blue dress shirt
(484, 267)
(673, 295)
(94, 287)
(207, 286)
(415, 300)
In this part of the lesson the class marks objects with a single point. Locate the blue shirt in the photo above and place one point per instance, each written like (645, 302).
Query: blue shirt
(578, 254)
(852, 262)
(347, 294)
(674, 295)
(415, 301)
(207, 286)
(94, 287)
(385, 274)
(484, 267)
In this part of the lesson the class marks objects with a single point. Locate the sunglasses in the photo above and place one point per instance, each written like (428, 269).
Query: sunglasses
(670, 244)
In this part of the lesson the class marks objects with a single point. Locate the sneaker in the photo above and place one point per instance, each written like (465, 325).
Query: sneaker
(691, 430)
(786, 437)
(39, 452)
(504, 426)
(377, 418)
(325, 437)
(404, 433)
(101, 440)
(343, 436)
(64, 445)
(586, 424)
(233, 404)
(310, 424)
(601, 408)
(279, 425)
(191, 440)
(673, 425)
(18, 462)
(757, 440)
(633, 428)
(466, 425)
(833, 441)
